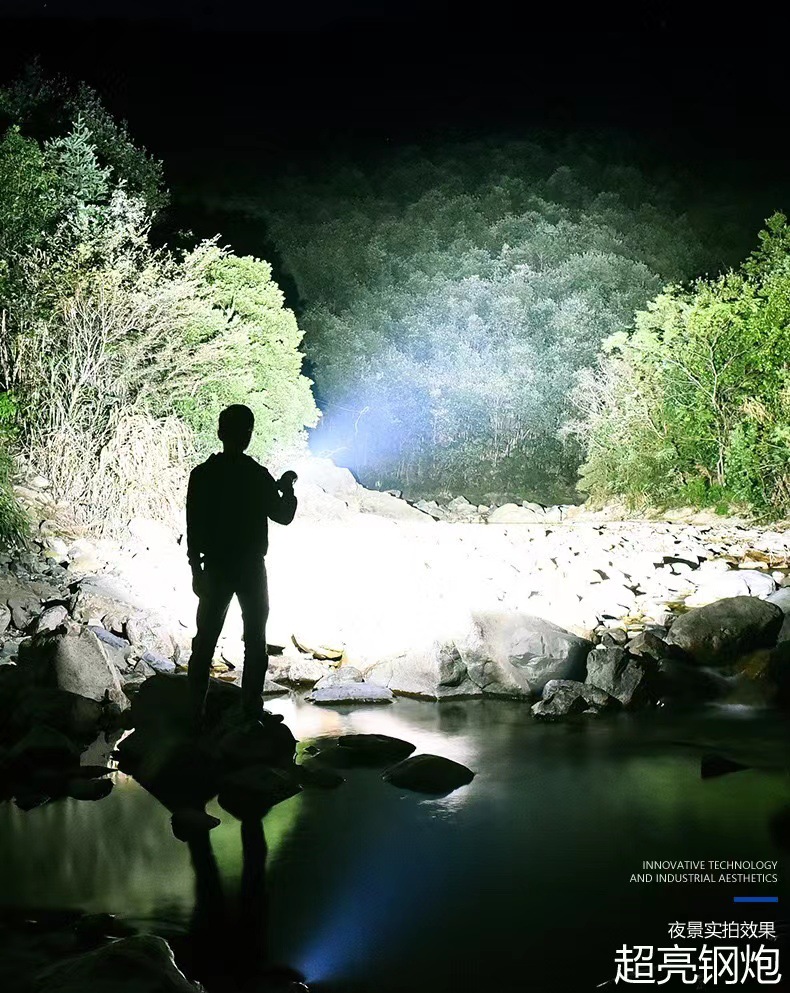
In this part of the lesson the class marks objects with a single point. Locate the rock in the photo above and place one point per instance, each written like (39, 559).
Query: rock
(76, 717)
(614, 636)
(272, 688)
(782, 599)
(146, 633)
(511, 513)
(88, 789)
(436, 672)
(736, 583)
(649, 645)
(72, 661)
(254, 790)
(56, 548)
(343, 674)
(181, 772)
(429, 774)
(332, 653)
(375, 749)
(50, 619)
(516, 654)
(617, 674)
(718, 632)
(391, 508)
(83, 556)
(267, 743)
(108, 638)
(22, 612)
(114, 622)
(311, 773)
(609, 598)
(351, 692)
(162, 704)
(566, 697)
(298, 672)
(332, 479)
(158, 662)
(43, 746)
(143, 963)
(429, 508)
(5, 618)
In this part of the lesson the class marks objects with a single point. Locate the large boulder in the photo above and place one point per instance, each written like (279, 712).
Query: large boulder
(735, 583)
(432, 774)
(436, 672)
(781, 598)
(143, 963)
(493, 653)
(516, 654)
(74, 661)
(719, 632)
(512, 513)
(77, 717)
(616, 673)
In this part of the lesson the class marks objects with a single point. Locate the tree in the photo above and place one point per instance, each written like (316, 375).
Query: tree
(116, 356)
(712, 366)
(452, 295)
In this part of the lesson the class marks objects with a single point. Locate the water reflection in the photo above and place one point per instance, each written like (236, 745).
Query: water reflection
(367, 888)
(227, 943)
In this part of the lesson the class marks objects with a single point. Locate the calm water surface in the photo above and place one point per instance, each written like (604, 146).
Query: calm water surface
(518, 881)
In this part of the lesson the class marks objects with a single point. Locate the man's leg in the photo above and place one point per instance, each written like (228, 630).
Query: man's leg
(253, 595)
(212, 610)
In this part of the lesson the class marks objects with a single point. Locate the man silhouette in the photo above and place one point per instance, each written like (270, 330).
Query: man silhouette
(229, 498)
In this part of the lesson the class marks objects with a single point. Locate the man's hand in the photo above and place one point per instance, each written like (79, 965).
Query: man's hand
(287, 480)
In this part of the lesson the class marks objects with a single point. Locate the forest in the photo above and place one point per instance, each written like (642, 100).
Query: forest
(493, 319)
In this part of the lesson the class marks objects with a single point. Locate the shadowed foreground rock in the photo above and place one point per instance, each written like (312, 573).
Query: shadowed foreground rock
(250, 765)
(429, 774)
(142, 963)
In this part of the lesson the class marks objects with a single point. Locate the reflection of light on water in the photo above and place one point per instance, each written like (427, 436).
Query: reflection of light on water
(377, 896)
(377, 900)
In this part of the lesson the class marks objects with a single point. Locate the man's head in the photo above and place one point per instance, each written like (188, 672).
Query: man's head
(235, 427)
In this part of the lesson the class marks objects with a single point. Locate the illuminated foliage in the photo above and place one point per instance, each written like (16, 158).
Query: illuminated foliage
(693, 404)
(118, 356)
(451, 297)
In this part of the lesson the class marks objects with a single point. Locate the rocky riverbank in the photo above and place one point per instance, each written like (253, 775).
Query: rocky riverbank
(373, 597)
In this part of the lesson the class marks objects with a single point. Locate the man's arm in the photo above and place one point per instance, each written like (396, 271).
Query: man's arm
(194, 525)
(280, 497)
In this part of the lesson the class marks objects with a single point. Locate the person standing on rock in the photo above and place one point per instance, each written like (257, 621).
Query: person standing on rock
(229, 500)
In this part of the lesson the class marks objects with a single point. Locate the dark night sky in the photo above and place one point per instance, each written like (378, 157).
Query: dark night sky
(223, 85)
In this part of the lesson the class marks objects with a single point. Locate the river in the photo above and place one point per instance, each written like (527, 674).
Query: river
(521, 880)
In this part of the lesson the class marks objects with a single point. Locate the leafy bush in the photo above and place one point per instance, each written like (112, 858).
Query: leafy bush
(710, 422)
(120, 355)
